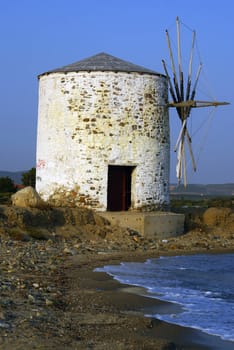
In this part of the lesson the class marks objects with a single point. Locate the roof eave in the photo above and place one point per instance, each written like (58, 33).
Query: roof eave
(106, 70)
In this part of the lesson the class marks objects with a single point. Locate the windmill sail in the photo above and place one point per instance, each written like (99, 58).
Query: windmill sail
(183, 99)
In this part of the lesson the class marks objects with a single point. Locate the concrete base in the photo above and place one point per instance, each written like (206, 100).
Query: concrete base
(159, 225)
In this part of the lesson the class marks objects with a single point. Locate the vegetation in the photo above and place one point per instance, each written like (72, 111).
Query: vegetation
(29, 178)
(7, 187)
(202, 202)
(196, 190)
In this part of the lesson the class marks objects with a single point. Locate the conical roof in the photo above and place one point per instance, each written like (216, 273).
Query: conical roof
(103, 62)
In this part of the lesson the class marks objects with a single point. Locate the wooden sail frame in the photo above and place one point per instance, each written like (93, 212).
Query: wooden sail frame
(183, 99)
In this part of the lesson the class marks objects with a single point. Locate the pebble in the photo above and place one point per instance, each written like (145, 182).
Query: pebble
(49, 302)
(31, 298)
(70, 251)
(4, 324)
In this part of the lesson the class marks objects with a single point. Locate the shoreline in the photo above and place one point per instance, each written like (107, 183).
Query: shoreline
(128, 300)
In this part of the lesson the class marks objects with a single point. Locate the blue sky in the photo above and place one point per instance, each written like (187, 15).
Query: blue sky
(39, 35)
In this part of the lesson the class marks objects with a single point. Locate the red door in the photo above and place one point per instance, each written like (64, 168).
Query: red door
(119, 187)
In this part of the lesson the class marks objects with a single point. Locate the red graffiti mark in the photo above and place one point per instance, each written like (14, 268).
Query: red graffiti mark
(41, 164)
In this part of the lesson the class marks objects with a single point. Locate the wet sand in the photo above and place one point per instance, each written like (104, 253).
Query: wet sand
(127, 305)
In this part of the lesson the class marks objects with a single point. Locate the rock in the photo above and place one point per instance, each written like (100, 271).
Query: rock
(70, 251)
(49, 302)
(218, 217)
(27, 197)
(4, 324)
(31, 298)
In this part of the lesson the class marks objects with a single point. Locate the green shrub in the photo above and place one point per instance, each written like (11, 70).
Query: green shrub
(7, 185)
(29, 178)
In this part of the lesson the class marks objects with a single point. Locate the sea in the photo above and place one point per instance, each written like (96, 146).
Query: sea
(201, 285)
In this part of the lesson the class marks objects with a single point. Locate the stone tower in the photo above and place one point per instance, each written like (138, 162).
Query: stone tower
(103, 136)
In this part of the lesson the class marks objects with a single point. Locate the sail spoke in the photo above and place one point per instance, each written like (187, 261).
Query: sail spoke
(179, 163)
(173, 67)
(196, 81)
(185, 167)
(180, 135)
(189, 141)
(170, 83)
(190, 67)
(179, 61)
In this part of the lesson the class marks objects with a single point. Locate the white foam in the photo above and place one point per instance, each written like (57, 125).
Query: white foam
(201, 284)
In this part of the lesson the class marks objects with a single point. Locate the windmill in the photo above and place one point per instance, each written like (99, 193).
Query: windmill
(183, 100)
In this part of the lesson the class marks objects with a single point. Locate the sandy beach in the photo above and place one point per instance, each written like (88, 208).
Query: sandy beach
(127, 305)
(51, 297)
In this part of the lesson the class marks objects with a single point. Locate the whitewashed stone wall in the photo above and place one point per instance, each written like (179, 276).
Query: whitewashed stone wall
(89, 120)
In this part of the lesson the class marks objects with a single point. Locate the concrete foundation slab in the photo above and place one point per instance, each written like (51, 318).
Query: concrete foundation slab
(158, 225)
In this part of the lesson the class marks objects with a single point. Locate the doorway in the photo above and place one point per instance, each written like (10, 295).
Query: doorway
(119, 187)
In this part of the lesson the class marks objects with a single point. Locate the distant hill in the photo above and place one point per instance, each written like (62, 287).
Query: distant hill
(203, 190)
(14, 175)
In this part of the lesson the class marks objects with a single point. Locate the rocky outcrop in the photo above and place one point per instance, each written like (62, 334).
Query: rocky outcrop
(27, 197)
(44, 223)
(219, 217)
